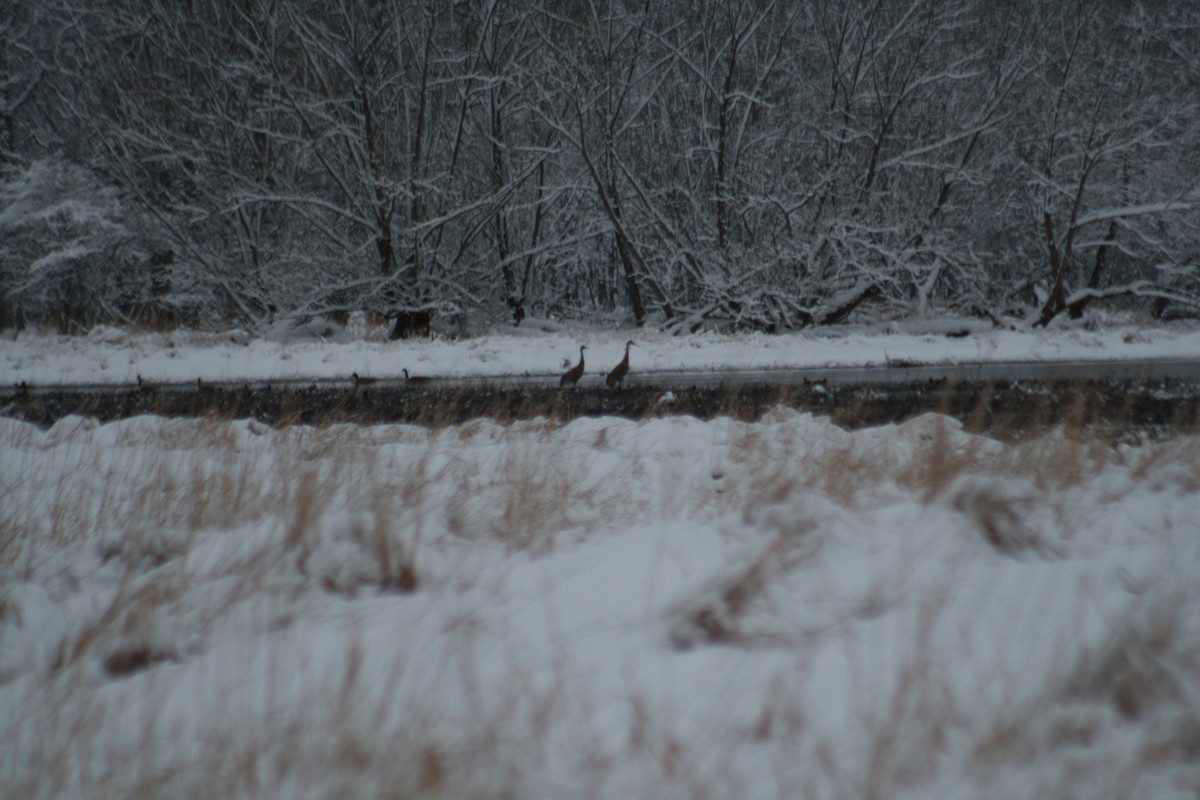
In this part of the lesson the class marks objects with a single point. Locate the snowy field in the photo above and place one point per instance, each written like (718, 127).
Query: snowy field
(110, 355)
(600, 609)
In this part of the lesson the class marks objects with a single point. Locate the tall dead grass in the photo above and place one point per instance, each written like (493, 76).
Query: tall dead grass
(356, 510)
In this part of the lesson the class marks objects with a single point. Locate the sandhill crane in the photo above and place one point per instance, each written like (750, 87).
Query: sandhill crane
(573, 375)
(620, 370)
(414, 378)
(361, 380)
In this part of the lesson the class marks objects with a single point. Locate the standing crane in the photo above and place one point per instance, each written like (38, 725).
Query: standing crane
(572, 376)
(620, 370)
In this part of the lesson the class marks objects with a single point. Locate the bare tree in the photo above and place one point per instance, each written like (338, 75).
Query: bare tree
(747, 164)
(1111, 112)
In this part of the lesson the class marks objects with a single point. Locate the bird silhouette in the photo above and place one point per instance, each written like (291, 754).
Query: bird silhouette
(414, 378)
(620, 370)
(360, 380)
(573, 375)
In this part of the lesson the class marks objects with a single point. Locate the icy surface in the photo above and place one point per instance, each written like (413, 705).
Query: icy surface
(109, 355)
(600, 609)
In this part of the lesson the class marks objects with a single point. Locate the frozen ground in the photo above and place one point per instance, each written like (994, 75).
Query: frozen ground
(109, 355)
(601, 609)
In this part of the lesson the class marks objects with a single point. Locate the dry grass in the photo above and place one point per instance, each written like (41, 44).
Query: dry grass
(1141, 677)
(717, 617)
(368, 511)
(524, 485)
(915, 722)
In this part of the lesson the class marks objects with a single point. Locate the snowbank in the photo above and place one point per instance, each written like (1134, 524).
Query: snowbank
(670, 608)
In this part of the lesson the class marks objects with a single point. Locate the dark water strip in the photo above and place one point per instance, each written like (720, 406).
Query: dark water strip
(1157, 396)
(892, 373)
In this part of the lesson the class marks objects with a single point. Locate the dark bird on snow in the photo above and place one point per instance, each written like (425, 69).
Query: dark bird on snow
(414, 378)
(573, 375)
(620, 370)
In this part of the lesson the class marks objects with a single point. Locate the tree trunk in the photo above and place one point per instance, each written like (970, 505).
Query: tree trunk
(1076, 309)
(625, 247)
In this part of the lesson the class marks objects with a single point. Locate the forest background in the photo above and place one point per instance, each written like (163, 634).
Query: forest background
(736, 165)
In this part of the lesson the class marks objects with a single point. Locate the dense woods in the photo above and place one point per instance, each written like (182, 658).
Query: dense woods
(741, 164)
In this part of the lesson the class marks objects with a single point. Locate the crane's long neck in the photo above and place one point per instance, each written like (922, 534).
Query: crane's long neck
(581, 356)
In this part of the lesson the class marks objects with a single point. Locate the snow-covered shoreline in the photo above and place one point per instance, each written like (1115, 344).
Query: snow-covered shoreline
(112, 356)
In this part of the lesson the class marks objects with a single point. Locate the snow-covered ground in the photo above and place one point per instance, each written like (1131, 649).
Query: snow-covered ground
(109, 355)
(670, 608)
